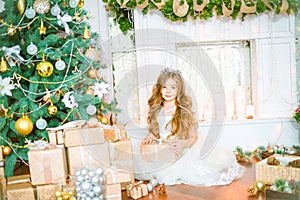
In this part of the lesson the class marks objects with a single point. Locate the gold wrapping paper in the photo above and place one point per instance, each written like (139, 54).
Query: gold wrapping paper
(2, 187)
(52, 137)
(113, 191)
(117, 177)
(20, 191)
(121, 150)
(89, 156)
(47, 165)
(83, 136)
(158, 152)
(56, 137)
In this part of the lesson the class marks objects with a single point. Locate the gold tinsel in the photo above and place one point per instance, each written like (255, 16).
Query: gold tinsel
(21, 6)
(42, 28)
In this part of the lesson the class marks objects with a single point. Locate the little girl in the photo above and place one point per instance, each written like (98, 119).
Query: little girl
(171, 118)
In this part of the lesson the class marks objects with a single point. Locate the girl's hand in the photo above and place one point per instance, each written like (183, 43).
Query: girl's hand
(177, 146)
(149, 139)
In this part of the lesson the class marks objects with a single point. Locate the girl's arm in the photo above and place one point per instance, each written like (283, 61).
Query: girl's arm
(149, 139)
(178, 145)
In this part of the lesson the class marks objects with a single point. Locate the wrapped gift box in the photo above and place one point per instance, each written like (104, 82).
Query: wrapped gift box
(89, 156)
(47, 166)
(47, 192)
(113, 177)
(137, 190)
(121, 150)
(158, 152)
(113, 133)
(83, 136)
(20, 191)
(2, 164)
(20, 188)
(269, 173)
(113, 191)
(56, 137)
(2, 187)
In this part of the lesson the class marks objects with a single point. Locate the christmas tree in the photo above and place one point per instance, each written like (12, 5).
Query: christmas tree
(51, 73)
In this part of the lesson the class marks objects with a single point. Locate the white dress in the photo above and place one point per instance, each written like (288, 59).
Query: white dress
(218, 168)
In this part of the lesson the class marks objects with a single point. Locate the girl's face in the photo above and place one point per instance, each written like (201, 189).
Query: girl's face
(169, 90)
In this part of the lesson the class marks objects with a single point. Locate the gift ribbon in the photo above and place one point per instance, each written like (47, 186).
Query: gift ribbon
(12, 52)
(62, 20)
(38, 144)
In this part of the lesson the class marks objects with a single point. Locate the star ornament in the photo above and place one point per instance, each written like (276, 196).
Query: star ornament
(100, 89)
(5, 87)
(15, 80)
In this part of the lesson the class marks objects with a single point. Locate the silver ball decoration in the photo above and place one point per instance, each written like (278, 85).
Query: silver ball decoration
(41, 124)
(154, 182)
(30, 13)
(32, 49)
(150, 187)
(89, 184)
(55, 10)
(91, 109)
(60, 65)
(73, 3)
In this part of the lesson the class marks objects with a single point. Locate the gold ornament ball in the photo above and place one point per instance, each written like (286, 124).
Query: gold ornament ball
(58, 193)
(52, 110)
(92, 73)
(89, 91)
(80, 3)
(6, 150)
(103, 119)
(260, 186)
(24, 125)
(45, 69)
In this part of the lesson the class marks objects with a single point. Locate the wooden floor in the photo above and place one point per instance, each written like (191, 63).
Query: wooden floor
(237, 190)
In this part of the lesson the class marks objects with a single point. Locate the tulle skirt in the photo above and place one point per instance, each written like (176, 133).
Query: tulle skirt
(219, 167)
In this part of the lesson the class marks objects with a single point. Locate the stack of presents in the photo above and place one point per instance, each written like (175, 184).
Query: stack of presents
(279, 176)
(81, 162)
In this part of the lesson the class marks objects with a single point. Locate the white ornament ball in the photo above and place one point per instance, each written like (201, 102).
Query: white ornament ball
(288, 189)
(150, 187)
(84, 171)
(30, 13)
(83, 195)
(101, 179)
(31, 49)
(97, 189)
(87, 177)
(99, 171)
(91, 173)
(96, 198)
(77, 173)
(78, 189)
(91, 109)
(55, 10)
(60, 65)
(41, 124)
(73, 3)
(95, 179)
(91, 194)
(101, 197)
(273, 187)
(86, 186)
(80, 178)
(153, 182)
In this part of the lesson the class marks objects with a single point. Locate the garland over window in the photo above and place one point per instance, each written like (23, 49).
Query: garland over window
(181, 10)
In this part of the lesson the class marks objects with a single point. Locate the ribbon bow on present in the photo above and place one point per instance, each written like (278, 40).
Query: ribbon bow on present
(137, 190)
(12, 52)
(62, 20)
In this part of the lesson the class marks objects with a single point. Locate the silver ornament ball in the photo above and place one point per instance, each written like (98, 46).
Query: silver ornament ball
(55, 10)
(30, 13)
(60, 65)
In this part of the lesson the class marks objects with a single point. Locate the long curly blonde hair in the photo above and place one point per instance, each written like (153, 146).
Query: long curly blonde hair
(184, 118)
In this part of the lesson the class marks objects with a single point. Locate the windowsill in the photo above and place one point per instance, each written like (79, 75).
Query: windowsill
(228, 123)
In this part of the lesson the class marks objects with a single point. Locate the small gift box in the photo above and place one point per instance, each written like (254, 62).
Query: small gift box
(112, 133)
(113, 191)
(20, 188)
(89, 156)
(2, 187)
(47, 165)
(56, 137)
(112, 177)
(158, 152)
(83, 136)
(47, 192)
(2, 164)
(137, 190)
(121, 150)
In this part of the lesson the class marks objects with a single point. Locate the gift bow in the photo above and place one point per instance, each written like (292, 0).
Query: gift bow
(38, 144)
(12, 52)
(62, 20)
(134, 185)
